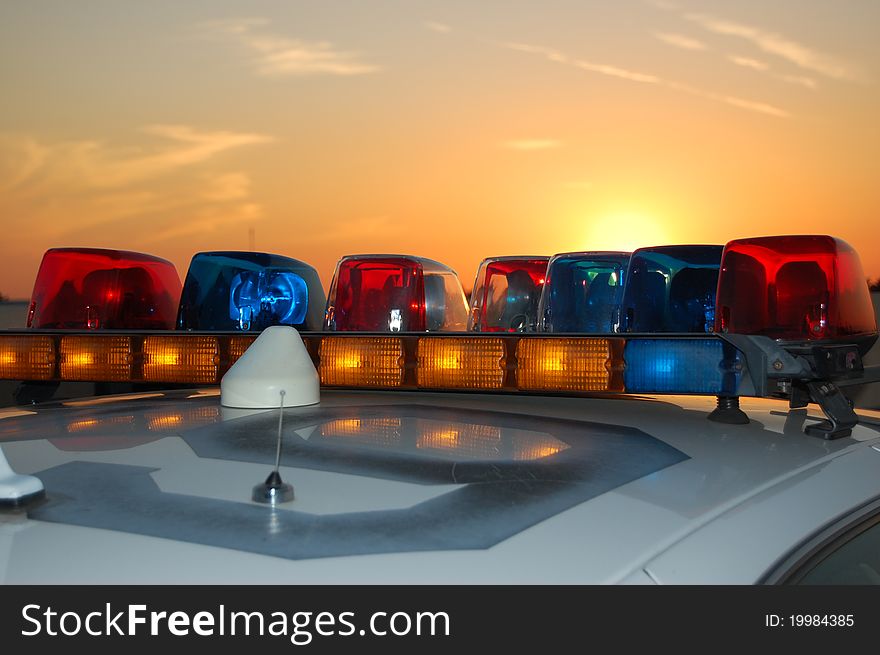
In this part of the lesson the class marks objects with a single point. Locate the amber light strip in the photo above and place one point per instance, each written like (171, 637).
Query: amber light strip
(25, 357)
(103, 358)
(569, 364)
(237, 346)
(460, 363)
(192, 359)
(361, 361)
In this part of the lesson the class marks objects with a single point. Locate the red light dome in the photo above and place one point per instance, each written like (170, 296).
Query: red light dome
(91, 288)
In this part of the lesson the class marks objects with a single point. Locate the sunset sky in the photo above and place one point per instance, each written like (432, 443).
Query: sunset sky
(453, 130)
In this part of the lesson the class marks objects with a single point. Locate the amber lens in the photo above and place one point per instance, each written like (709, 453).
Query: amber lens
(26, 357)
(96, 358)
(237, 346)
(181, 359)
(361, 361)
(461, 363)
(564, 364)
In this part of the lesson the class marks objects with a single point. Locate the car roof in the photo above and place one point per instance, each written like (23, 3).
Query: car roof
(414, 487)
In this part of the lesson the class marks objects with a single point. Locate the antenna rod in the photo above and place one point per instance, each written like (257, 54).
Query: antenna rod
(274, 490)
(278, 446)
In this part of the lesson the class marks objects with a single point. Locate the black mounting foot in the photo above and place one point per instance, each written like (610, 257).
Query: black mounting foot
(841, 417)
(728, 411)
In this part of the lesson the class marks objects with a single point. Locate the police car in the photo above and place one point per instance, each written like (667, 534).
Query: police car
(673, 415)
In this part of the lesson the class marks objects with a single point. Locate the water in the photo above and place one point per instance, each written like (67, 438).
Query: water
(13, 314)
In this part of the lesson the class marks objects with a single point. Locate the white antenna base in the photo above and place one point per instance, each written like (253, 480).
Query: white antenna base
(17, 490)
(276, 361)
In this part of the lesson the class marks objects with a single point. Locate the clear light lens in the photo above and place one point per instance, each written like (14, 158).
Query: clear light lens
(671, 289)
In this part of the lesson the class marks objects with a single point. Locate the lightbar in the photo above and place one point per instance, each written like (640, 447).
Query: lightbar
(727, 366)
(496, 362)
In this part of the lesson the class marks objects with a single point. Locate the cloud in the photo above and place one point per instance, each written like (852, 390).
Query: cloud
(680, 41)
(228, 186)
(747, 62)
(751, 105)
(192, 147)
(88, 189)
(734, 101)
(799, 80)
(776, 44)
(531, 144)
(664, 4)
(94, 165)
(276, 56)
(643, 78)
(613, 71)
(548, 53)
(440, 28)
(205, 221)
(558, 57)
(763, 67)
(20, 157)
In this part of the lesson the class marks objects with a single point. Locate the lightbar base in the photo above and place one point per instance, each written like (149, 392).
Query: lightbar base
(728, 411)
(841, 417)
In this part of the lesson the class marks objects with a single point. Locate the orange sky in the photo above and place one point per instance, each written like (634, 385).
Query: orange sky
(453, 130)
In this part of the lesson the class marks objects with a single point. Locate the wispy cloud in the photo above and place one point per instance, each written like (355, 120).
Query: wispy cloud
(751, 105)
(548, 53)
(664, 4)
(531, 144)
(748, 62)
(78, 187)
(557, 56)
(434, 26)
(205, 221)
(273, 55)
(613, 71)
(20, 158)
(95, 165)
(799, 80)
(734, 101)
(680, 41)
(792, 51)
(764, 68)
(227, 186)
(190, 147)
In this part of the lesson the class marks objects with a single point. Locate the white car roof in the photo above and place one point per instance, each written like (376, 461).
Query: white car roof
(421, 487)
